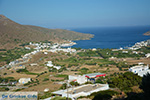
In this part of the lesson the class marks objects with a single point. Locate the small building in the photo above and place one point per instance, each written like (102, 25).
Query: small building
(94, 75)
(124, 51)
(24, 80)
(57, 67)
(18, 67)
(138, 68)
(135, 52)
(46, 90)
(86, 77)
(147, 55)
(28, 48)
(33, 64)
(49, 64)
(78, 78)
(142, 73)
(115, 49)
(94, 49)
(83, 90)
(45, 53)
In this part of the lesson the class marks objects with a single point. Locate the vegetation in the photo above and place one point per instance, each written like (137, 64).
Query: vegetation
(103, 95)
(145, 85)
(7, 80)
(13, 54)
(26, 72)
(84, 70)
(61, 75)
(4, 89)
(46, 79)
(45, 95)
(60, 98)
(107, 53)
(125, 81)
(144, 49)
(101, 80)
(74, 83)
(146, 90)
(64, 86)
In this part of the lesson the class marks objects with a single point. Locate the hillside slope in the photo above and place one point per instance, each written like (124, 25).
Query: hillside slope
(13, 34)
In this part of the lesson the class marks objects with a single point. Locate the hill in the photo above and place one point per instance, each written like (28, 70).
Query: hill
(147, 33)
(13, 34)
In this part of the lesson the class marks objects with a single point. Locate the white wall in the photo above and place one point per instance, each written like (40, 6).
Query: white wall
(80, 79)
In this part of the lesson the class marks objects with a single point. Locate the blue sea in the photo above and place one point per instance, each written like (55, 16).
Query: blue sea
(112, 37)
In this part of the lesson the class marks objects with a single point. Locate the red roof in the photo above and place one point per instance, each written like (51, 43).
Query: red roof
(94, 75)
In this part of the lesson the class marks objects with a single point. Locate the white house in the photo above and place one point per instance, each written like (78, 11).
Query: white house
(142, 73)
(45, 53)
(124, 51)
(94, 49)
(84, 78)
(147, 55)
(24, 80)
(49, 64)
(33, 64)
(27, 48)
(135, 52)
(57, 67)
(138, 68)
(78, 78)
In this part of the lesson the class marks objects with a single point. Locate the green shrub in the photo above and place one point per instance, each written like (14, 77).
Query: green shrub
(46, 79)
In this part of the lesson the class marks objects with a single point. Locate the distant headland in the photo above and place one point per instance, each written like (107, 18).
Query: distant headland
(13, 34)
(147, 33)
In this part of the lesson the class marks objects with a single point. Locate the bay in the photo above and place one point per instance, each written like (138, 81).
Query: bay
(112, 37)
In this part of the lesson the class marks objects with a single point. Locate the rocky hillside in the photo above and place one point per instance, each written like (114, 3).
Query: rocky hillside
(13, 34)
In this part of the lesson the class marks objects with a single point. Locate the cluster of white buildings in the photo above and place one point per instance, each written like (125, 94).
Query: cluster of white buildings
(68, 44)
(138, 45)
(24, 59)
(31, 53)
(55, 47)
(140, 69)
(68, 50)
(50, 64)
(40, 45)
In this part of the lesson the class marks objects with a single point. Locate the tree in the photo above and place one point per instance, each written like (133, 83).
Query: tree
(64, 86)
(103, 95)
(145, 85)
(74, 83)
(125, 81)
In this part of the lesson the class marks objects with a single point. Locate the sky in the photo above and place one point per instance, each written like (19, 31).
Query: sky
(77, 13)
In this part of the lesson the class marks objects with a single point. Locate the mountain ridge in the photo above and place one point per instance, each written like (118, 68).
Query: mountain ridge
(13, 34)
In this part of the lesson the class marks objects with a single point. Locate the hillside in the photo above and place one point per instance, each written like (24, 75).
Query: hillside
(147, 33)
(12, 34)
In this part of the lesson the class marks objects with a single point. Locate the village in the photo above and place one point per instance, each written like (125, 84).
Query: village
(53, 66)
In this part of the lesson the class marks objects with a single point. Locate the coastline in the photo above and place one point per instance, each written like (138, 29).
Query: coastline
(147, 33)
